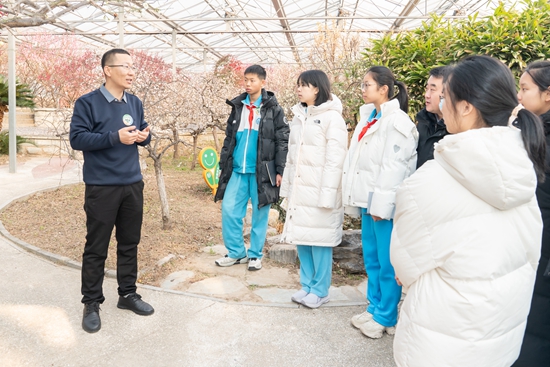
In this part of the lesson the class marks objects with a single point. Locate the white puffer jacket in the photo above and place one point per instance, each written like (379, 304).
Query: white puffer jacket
(466, 244)
(376, 165)
(313, 175)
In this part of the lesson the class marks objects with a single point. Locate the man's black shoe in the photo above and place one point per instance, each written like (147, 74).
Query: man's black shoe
(134, 303)
(91, 321)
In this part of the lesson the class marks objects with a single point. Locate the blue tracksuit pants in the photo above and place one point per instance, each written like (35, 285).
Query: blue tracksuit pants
(383, 293)
(315, 269)
(240, 188)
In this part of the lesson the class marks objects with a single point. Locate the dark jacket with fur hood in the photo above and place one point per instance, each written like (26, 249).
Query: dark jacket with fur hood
(272, 145)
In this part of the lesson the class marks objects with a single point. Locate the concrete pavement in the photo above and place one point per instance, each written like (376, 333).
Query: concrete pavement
(40, 314)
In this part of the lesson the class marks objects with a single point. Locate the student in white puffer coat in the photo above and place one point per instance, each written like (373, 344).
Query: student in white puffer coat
(312, 184)
(466, 241)
(382, 154)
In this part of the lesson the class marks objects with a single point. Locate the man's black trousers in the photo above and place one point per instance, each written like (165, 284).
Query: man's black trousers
(107, 207)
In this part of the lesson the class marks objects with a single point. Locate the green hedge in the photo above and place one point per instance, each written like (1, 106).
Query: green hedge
(515, 37)
(5, 142)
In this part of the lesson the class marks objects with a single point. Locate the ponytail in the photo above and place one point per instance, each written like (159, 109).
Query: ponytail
(383, 76)
(489, 86)
(402, 96)
(532, 134)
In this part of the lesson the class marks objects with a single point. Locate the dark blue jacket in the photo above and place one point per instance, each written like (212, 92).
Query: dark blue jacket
(94, 131)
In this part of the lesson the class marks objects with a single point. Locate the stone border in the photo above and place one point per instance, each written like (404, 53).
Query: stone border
(65, 261)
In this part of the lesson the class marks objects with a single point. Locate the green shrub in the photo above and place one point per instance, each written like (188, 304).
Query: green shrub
(515, 37)
(5, 142)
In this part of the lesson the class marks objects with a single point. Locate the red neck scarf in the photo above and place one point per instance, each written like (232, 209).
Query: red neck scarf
(366, 128)
(250, 114)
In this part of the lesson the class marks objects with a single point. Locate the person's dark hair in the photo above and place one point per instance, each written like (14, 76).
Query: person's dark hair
(107, 56)
(489, 86)
(317, 79)
(383, 76)
(539, 71)
(439, 72)
(256, 69)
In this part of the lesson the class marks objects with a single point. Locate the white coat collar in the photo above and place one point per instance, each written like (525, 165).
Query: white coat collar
(366, 110)
(491, 163)
(335, 104)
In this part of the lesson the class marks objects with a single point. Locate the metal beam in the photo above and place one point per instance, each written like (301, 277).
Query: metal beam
(150, 33)
(181, 30)
(284, 23)
(11, 102)
(404, 14)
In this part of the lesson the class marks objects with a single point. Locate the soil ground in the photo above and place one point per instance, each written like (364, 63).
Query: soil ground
(55, 221)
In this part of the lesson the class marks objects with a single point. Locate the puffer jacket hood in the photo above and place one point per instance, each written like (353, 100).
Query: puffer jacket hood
(484, 162)
(335, 104)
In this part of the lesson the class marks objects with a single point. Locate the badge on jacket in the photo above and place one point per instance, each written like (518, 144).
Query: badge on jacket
(127, 120)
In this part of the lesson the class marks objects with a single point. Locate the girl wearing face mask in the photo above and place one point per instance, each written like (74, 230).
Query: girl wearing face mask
(534, 94)
(466, 241)
(312, 184)
(382, 154)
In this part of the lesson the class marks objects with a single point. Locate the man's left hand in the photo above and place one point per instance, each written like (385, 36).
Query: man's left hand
(278, 180)
(143, 134)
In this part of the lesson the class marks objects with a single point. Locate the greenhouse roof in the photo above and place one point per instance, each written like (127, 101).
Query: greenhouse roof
(196, 33)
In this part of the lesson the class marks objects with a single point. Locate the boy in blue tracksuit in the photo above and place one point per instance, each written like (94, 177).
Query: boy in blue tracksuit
(252, 162)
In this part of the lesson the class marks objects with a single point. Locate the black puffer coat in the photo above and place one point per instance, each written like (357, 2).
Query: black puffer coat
(272, 145)
(535, 350)
(430, 131)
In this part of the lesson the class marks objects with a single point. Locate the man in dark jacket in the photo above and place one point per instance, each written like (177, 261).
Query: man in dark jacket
(252, 162)
(107, 126)
(429, 121)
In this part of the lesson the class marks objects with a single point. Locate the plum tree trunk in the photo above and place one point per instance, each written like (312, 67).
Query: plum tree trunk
(176, 136)
(165, 208)
(195, 140)
(215, 136)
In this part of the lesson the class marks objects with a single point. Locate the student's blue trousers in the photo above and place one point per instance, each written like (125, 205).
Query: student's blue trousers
(240, 188)
(315, 269)
(383, 293)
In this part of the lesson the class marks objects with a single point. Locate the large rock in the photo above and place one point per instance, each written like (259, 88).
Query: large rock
(282, 252)
(349, 253)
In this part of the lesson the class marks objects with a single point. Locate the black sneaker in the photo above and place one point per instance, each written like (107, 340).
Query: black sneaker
(91, 321)
(134, 303)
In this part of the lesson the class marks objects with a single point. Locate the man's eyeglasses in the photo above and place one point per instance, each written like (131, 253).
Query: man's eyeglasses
(127, 67)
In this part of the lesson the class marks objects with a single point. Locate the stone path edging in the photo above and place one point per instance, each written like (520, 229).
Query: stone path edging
(65, 261)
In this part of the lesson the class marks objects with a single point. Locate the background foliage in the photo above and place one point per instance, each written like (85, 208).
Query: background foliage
(515, 37)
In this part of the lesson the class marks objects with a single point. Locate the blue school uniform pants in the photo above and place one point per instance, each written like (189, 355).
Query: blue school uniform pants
(315, 269)
(383, 292)
(240, 188)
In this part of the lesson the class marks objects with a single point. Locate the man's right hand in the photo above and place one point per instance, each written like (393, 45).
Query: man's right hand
(128, 135)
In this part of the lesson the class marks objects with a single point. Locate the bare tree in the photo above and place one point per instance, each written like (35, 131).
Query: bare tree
(28, 13)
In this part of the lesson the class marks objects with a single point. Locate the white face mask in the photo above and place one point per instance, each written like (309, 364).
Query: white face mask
(441, 100)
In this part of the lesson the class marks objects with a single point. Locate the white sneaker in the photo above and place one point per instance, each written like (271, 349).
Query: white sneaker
(298, 296)
(373, 330)
(255, 264)
(314, 301)
(228, 261)
(390, 330)
(360, 319)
